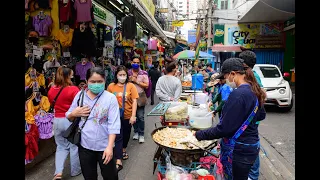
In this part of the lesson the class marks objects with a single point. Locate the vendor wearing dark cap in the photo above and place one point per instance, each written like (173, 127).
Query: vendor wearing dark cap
(240, 143)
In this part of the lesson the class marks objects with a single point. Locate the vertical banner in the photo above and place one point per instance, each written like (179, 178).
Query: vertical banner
(218, 34)
(197, 43)
(192, 36)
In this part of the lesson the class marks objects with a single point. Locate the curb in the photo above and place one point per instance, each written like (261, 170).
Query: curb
(272, 165)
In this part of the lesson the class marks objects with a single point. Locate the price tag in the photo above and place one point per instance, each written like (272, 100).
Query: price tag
(104, 52)
(66, 54)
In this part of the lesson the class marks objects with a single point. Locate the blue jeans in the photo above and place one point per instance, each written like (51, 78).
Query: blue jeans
(254, 171)
(139, 125)
(64, 147)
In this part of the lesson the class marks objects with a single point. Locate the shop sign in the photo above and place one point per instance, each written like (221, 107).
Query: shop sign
(218, 34)
(246, 35)
(192, 36)
(103, 15)
(163, 10)
(177, 23)
(148, 4)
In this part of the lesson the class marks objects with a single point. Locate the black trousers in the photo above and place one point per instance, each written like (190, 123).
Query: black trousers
(88, 162)
(122, 139)
(152, 94)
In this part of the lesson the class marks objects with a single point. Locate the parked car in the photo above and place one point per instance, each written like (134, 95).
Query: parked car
(277, 88)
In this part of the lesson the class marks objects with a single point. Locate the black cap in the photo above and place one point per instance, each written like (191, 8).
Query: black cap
(232, 64)
(249, 58)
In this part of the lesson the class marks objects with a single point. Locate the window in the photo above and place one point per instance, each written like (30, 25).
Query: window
(180, 10)
(224, 4)
(269, 72)
(180, 6)
(180, 2)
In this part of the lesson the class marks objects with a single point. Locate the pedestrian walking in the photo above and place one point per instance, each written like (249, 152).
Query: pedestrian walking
(99, 131)
(154, 74)
(240, 143)
(127, 95)
(61, 95)
(169, 87)
(140, 79)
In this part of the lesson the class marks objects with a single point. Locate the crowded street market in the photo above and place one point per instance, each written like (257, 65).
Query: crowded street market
(104, 77)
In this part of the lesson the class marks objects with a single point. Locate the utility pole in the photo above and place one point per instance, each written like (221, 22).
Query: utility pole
(210, 13)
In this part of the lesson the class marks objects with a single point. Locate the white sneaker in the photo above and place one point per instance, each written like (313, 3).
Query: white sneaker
(141, 139)
(135, 136)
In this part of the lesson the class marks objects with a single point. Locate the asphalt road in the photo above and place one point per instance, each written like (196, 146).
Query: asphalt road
(277, 129)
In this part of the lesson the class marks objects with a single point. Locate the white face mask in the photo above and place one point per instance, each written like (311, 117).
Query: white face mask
(231, 84)
(122, 79)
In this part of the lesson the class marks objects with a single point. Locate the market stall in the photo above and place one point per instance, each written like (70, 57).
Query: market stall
(179, 154)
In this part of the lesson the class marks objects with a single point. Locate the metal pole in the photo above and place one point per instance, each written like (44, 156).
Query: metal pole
(209, 24)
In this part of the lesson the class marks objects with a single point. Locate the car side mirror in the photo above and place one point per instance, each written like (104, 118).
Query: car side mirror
(286, 75)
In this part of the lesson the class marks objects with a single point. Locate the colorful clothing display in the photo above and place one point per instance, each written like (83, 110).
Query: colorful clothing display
(81, 70)
(42, 25)
(65, 38)
(83, 8)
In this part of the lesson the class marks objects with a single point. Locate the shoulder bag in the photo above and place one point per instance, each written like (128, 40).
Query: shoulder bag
(123, 102)
(73, 133)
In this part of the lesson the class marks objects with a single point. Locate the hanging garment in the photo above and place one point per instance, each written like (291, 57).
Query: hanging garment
(42, 26)
(31, 143)
(129, 27)
(118, 38)
(119, 53)
(108, 33)
(44, 122)
(65, 38)
(152, 44)
(100, 34)
(109, 74)
(65, 13)
(83, 8)
(81, 70)
(83, 43)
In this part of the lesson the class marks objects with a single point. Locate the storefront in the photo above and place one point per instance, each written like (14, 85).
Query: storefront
(265, 39)
(289, 54)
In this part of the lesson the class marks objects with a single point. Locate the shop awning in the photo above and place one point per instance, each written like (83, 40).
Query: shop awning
(150, 21)
(225, 48)
(269, 11)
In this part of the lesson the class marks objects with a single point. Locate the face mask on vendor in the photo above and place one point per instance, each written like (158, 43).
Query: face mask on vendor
(33, 40)
(230, 80)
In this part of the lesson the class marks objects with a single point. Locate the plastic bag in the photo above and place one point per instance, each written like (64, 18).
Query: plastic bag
(175, 172)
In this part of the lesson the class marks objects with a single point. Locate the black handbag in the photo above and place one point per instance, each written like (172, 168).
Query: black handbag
(51, 109)
(73, 133)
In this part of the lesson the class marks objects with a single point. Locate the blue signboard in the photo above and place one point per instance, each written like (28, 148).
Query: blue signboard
(192, 36)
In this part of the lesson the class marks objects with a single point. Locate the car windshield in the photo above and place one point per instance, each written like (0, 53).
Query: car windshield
(269, 72)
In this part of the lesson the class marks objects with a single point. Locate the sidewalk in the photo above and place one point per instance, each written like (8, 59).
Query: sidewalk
(139, 166)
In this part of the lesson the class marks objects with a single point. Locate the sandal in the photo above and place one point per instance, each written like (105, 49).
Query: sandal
(125, 156)
(57, 177)
(119, 167)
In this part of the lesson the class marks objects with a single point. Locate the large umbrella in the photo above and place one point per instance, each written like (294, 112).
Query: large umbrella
(187, 54)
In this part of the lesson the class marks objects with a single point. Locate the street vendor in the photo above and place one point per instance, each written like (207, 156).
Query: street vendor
(221, 97)
(240, 143)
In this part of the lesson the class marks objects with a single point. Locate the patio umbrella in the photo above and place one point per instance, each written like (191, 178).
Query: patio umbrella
(186, 54)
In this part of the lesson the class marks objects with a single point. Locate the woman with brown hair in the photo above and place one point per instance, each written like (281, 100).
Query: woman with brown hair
(240, 143)
(61, 95)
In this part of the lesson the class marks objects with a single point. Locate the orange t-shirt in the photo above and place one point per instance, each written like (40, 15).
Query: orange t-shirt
(131, 93)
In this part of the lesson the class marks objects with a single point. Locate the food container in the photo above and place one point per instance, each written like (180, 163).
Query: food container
(201, 98)
(177, 112)
(197, 118)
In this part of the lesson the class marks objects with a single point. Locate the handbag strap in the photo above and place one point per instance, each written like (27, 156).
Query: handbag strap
(247, 122)
(85, 121)
(124, 96)
(55, 99)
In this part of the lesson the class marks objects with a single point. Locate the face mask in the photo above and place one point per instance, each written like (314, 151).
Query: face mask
(96, 88)
(33, 40)
(122, 79)
(231, 84)
(135, 66)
